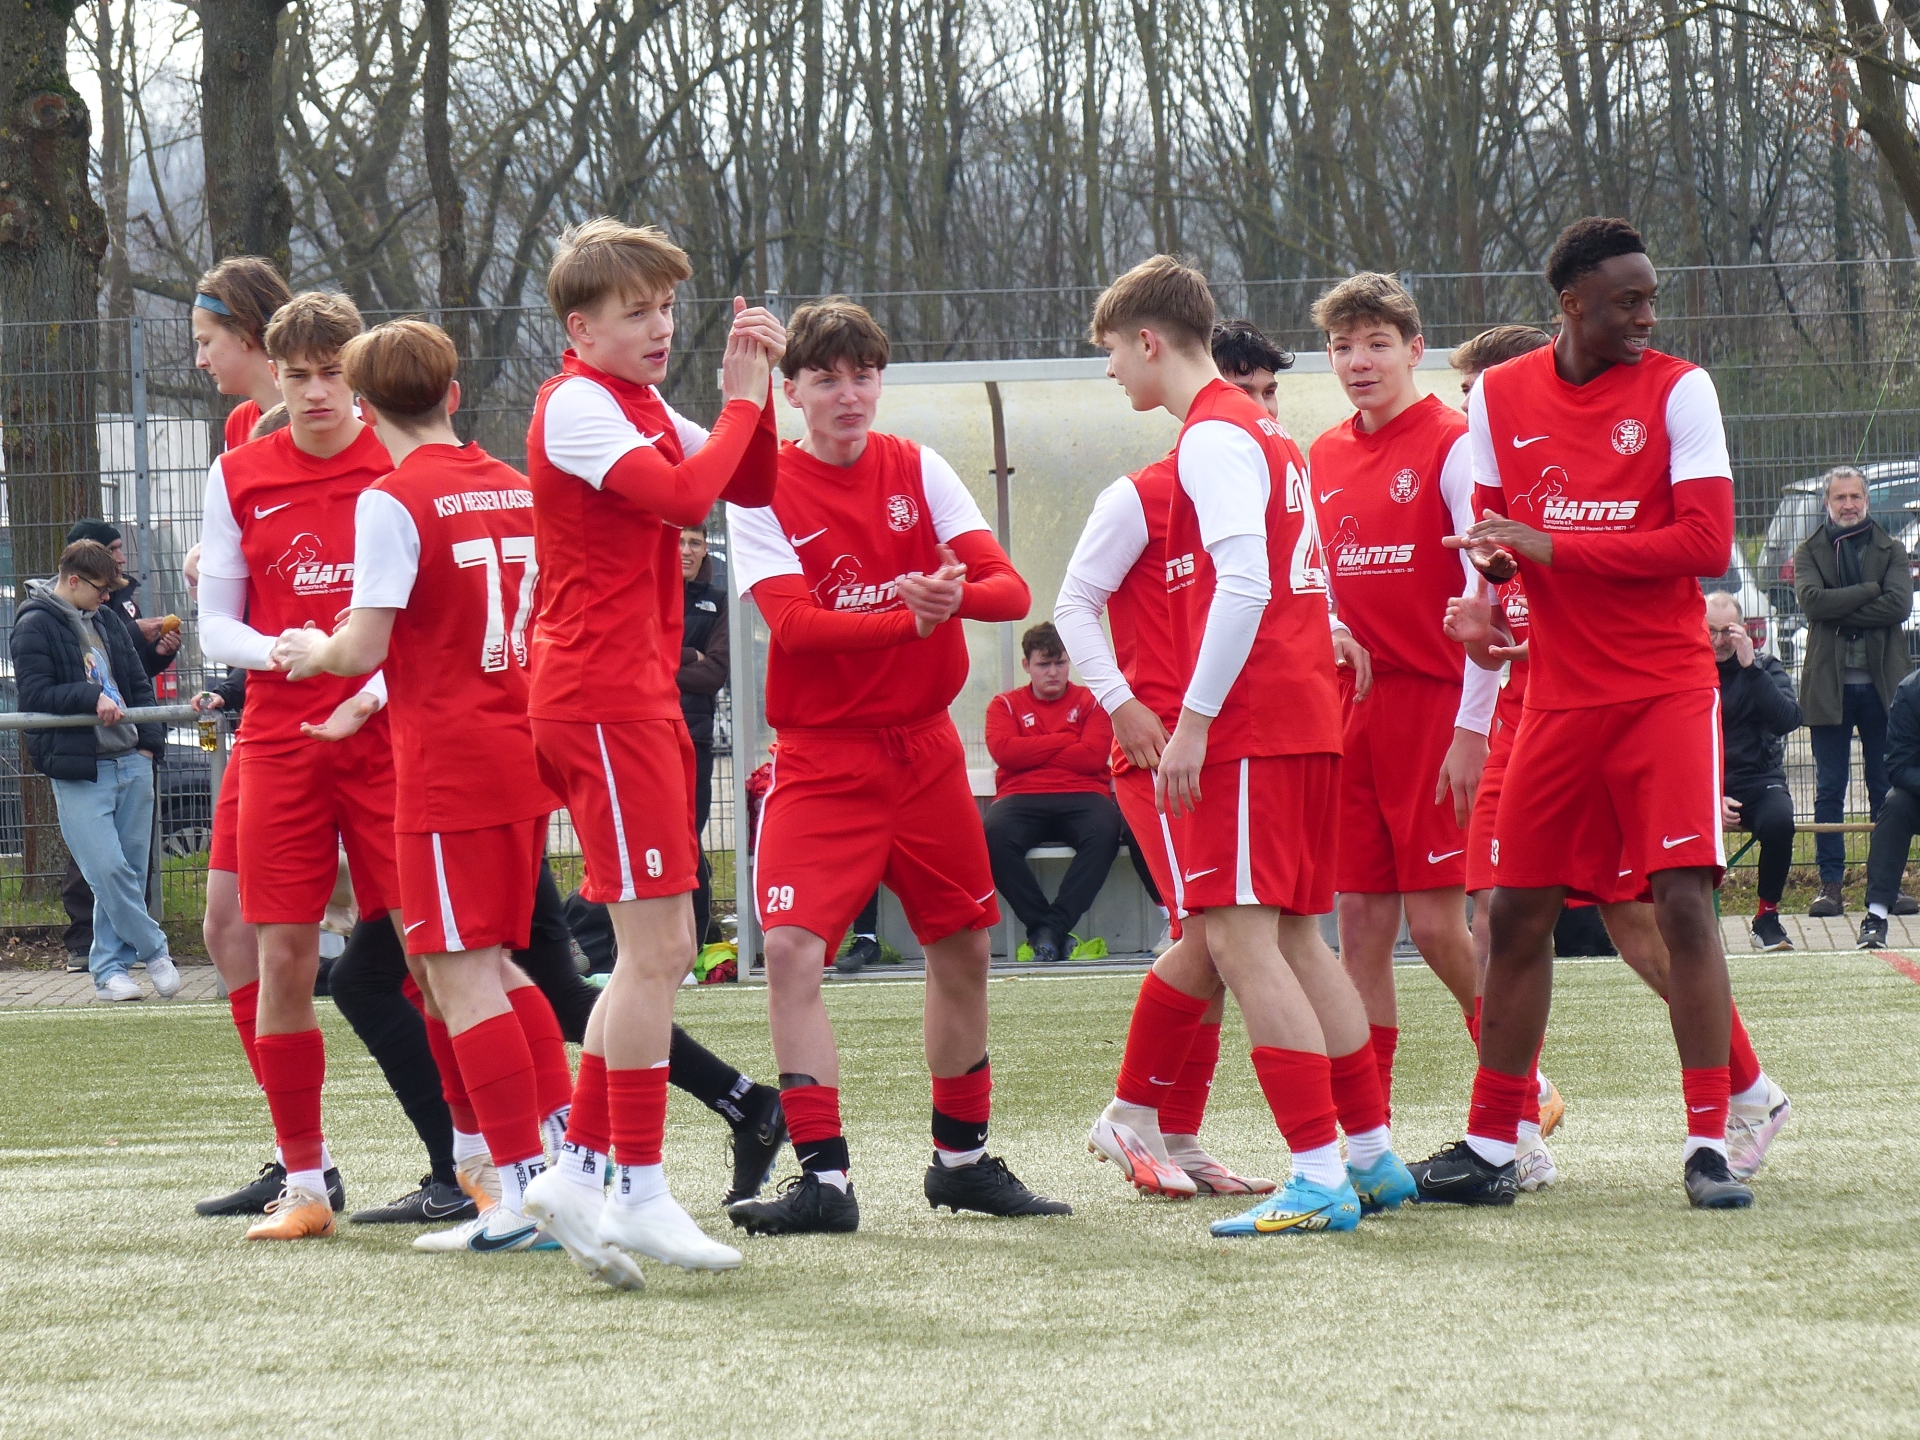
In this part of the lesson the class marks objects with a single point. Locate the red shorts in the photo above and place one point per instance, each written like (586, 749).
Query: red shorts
(1152, 835)
(628, 785)
(1393, 837)
(1601, 798)
(299, 804)
(1282, 858)
(1486, 808)
(223, 851)
(852, 809)
(469, 889)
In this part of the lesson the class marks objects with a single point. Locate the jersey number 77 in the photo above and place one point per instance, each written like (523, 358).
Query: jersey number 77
(499, 640)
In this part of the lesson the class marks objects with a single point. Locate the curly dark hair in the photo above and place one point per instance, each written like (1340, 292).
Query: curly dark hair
(1239, 348)
(1585, 245)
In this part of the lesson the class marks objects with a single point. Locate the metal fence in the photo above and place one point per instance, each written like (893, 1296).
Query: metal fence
(1816, 364)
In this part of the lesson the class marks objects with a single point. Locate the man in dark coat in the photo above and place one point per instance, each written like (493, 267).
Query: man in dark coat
(1899, 817)
(70, 658)
(1757, 713)
(1854, 585)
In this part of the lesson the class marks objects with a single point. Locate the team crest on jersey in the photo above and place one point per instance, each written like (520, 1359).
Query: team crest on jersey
(1404, 485)
(311, 575)
(1629, 437)
(1353, 556)
(842, 589)
(902, 513)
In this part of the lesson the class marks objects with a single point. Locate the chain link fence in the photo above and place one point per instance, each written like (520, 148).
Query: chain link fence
(1816, 365)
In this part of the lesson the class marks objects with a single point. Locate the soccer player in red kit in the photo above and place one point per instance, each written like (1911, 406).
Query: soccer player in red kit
(868, 557)
(1390, 483)
(615, 473)
(444, 575)
(1257, 734)
(277, 554)
(1603, 471)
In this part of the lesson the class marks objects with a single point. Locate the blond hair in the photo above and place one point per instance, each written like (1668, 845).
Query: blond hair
(1162, 293)
(313, 325)
(1367, 297)
(607, 257)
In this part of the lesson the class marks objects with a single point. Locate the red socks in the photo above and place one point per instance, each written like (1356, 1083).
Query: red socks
(498, 1071)
(1158, 1040)
(1386, 1039)
(451, 1085)
(293, 1068)
(553, 1081)
(588, 1125)
(1743, 1065)
(637, 1107)
(245, 1004)
(1355, 1082)
(812, 1111)
(1498, 1100)
(1706, 1092)
(962, 1104)
(1185, 1106)
(1299, 1090)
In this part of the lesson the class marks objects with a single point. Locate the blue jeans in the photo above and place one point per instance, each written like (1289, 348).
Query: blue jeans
(1860, 709)
(108, 825)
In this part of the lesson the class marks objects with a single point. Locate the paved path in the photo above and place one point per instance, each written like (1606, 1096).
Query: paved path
(37, 989)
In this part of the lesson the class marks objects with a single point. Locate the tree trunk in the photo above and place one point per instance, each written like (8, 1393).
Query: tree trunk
(249, 209)
(1693, 243)
(449, 198)
(52, 238)
(1883, 103)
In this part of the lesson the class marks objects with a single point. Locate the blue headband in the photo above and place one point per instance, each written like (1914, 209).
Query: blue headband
(209, 302)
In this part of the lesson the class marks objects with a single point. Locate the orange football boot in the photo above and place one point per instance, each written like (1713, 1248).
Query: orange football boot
(298, 1214)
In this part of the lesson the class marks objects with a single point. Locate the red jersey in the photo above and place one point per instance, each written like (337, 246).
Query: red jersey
(1138, 613)
(447, 540)
(606, 645)
(1603, 458)
(1241, 474)
(1048, 747)
(240, 422)
(1510, 605)
(852, 531)
(294, 513)
(1384, 501)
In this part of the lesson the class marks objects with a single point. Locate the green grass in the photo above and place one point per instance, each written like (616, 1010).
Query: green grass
(1603, 1306)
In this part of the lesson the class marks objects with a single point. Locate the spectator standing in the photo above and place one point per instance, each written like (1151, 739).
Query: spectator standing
(1050, 741)
(1757, 713)
(703, 671)
(1855, 588)
(156, 644)
(69, 659)
(1899, 817)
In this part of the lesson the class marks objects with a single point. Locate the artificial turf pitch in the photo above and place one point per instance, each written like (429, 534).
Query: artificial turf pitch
(1601, 1307)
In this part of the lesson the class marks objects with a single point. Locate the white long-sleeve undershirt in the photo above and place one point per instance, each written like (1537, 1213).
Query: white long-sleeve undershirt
(1242, 586)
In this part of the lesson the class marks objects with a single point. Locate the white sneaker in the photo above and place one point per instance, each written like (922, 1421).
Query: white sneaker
(1129, 1136)
(497, 1230)
(479, 1180)
(1751, 1130)
(570, 1213)
(117, 986)
(1533, 1164)
(165, 978)
(661, 1230)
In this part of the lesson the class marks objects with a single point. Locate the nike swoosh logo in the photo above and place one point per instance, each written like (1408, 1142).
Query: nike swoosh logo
(1155, 1080)
(482, 1241)
(1433, 859)
(440, 1212)
(1666, 844)
(1624, 874)
(1520, 444)
(261, 514)
(1700, 1109)
(652, 439)
(415, 926)
(798, 540)
(1273, 1224)
(1326, 495)
(1196, 874)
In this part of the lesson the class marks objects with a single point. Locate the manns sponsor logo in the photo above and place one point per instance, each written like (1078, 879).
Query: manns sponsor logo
(1589, 512)
(1352, 556)
(1179, 571)
(304, 564)
(841, 588)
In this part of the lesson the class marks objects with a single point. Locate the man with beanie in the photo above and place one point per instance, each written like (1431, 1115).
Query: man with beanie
(67, 660)
(1854, 586)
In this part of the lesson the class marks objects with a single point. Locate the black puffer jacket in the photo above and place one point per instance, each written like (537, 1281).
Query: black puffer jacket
(1757, 712)
(50, 671)
(122, 603)
(1903, 736)
(703, 652)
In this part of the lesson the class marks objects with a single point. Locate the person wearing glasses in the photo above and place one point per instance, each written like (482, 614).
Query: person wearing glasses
(67, 660)
(1757, 712)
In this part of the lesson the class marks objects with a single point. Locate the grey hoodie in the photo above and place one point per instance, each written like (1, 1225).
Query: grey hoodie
(109, 740)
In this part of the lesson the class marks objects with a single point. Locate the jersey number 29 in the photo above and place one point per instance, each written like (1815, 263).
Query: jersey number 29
(513, 550)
